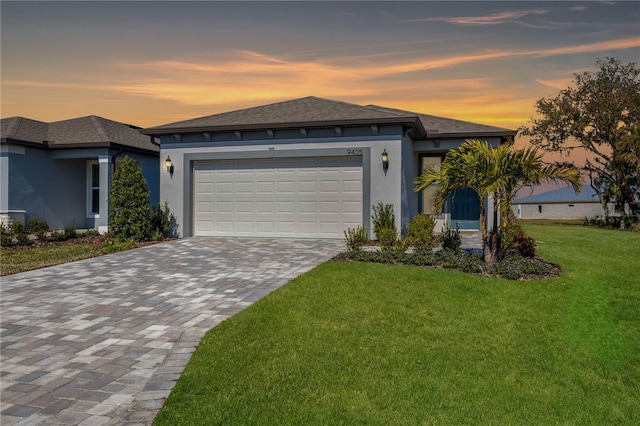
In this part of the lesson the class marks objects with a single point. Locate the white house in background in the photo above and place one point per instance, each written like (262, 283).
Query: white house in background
(309, 168)
(562, 203)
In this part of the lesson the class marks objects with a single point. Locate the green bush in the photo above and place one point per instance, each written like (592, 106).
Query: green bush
(450, 238)
(356, 238)
(129, 212)
(22, 239)
(420, 233)
(383, 218)
(57, 236)
(162, 221)
(6, 238)
(17, 227)
(70, 233)
(522, 245)
(38, 226)
(514, 267)
(388, 238)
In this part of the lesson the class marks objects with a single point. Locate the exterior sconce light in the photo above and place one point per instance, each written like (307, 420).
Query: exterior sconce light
(385, 161)
(169, 165)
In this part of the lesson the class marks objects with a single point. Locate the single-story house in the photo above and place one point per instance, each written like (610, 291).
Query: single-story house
(561, 203)
(308, 167)
(61, 171)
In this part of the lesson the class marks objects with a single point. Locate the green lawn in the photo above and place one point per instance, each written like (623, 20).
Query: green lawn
(353, 343)
(14, 261)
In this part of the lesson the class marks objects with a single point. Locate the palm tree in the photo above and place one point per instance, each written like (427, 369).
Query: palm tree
(499, 172)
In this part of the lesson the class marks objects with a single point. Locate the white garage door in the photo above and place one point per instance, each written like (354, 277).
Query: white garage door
(315, 198)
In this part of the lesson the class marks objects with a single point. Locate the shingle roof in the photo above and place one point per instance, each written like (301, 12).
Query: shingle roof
(77, 132)
(23, 129)
(288, 113)
(449, 126)
(561, 195)
(313, 111)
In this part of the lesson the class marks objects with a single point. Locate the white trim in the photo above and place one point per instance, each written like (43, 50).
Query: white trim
(90, 214)
(103, 229)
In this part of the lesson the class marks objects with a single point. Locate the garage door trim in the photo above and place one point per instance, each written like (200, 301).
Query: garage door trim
(191, 158)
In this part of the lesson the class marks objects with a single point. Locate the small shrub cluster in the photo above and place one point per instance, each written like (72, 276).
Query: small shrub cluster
(163, 221)
(420, 232)
(522, 245)
(450, 239)
(38, 226)
(383, 218)
(514, 267)
(69, 233)
(356, 238)
(15, 234)
(613, 222)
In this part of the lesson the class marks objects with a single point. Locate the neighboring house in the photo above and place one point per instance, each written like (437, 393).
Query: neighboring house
(308, 167)
(562, 203)
(61, 172)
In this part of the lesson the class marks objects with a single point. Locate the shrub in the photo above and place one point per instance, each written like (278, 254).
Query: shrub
(162, 221)
(5, 236)
(514, 267)
(129, 213)
(420, 233)
(22, 239)
(70, 233)
(17, 227)
(91, 233)
(355, 238)
(38, 226)
(450, 238)
(388, 238)
(383, 218)
(522, 244)
(57, 236)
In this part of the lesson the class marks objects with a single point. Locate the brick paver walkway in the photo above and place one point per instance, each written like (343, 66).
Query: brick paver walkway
(103, 340)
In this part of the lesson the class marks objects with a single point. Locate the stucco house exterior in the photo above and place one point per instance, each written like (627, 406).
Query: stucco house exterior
(308, 167)
(561, 203)
(61, 171)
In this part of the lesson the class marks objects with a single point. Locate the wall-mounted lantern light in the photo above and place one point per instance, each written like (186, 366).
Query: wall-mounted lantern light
(169, 165)
(385, 161)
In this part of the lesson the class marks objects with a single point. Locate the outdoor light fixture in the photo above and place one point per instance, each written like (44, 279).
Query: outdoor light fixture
(169, 165)
(385, 161)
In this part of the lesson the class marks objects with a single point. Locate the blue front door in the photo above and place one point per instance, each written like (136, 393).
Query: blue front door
(465, 209)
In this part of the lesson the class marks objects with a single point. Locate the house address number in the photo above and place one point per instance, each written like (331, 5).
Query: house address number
(354, 151)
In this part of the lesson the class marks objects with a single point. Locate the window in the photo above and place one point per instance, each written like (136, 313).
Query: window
(93, 188)
(429, 194)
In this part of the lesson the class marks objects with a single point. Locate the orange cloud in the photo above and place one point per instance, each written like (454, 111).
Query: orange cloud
(492, 19)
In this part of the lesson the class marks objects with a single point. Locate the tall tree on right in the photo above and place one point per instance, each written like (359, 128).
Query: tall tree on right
(599, 113)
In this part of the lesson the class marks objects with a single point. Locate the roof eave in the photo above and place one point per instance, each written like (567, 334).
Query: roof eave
(409, 121)
(492, 133)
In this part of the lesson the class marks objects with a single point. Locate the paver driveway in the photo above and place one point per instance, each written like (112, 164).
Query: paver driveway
(103, 340)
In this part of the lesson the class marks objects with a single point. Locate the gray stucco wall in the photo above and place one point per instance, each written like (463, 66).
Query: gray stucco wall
(558, 210)
(377, 186)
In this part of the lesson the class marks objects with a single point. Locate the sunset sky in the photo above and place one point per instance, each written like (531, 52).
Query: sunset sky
(150, 63)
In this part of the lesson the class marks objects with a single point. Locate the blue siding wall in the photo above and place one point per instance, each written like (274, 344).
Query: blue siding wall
(53, 190)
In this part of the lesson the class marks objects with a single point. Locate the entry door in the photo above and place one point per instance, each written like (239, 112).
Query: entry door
(465, 209)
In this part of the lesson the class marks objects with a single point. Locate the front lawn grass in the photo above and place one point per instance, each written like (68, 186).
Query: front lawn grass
(14, 261)
(360, 343)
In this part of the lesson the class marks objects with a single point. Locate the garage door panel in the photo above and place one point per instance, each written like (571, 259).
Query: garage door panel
(278, 197)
